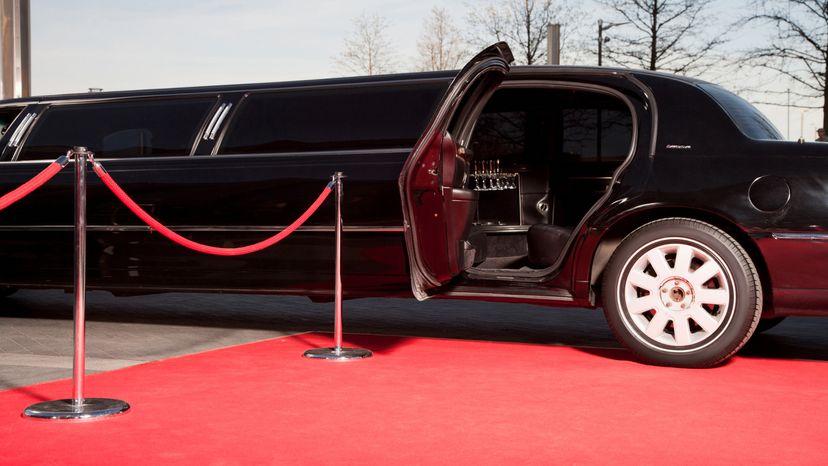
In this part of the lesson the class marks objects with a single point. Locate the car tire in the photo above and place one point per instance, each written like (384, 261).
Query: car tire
(680, 292)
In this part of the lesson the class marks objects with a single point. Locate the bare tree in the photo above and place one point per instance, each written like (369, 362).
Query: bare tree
(440, 46)
(368, 50)
(522, 23)
(667, 35)
(798, 51)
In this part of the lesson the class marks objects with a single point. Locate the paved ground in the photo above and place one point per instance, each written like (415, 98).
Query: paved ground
(36, 327)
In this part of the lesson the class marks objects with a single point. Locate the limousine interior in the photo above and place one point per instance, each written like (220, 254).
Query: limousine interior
(539, 158)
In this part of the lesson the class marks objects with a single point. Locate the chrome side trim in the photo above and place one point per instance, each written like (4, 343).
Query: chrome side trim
(321, 153)
(192, 228)
(221, 118)
(388, 151)
(801, 236)
(212, 123)
(21, 130)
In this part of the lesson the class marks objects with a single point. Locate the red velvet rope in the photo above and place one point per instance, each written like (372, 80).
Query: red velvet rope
(175, 237)
(26, 188)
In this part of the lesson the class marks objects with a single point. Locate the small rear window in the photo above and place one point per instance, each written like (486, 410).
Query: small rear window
(747, 118)
(148, 128)
(368, 117)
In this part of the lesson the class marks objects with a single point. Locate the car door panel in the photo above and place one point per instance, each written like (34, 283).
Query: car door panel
(426, 188)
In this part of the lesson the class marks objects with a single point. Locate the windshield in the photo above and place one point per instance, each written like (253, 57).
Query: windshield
(747, 118)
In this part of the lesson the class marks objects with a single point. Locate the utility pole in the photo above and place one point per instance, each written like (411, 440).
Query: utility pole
(15, 46)
(553, 44)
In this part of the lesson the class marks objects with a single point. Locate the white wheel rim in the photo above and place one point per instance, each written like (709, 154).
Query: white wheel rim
(676, 295)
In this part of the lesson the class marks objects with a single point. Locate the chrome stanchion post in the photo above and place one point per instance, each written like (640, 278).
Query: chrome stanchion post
(78, 407)
(338, 353)
(79, 362)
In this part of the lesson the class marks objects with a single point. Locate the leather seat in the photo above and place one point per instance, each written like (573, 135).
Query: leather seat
(546, 243)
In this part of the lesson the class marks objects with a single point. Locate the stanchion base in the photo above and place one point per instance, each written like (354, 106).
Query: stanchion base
(338, 354)
(66, 409)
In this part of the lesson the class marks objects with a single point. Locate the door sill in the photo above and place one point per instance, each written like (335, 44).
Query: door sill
(511, 275)
(507, 293)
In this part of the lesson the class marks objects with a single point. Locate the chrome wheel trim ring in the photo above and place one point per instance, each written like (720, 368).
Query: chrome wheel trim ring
(665, 274)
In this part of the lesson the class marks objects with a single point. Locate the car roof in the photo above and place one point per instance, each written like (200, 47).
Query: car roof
(606, 71)
(351, 80)
(386, 78)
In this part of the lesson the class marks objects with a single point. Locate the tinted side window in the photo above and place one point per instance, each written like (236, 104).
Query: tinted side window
(582, 126)
(377, 116)
(501, 134)
(597, 134)
(148, 128)
(7, 116)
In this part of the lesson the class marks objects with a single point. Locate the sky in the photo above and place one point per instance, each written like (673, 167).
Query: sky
(125, 44)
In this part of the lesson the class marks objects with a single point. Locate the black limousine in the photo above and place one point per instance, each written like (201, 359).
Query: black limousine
(670, 202)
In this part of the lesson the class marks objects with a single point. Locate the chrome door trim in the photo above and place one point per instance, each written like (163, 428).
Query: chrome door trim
(800, 236)
(21, 129)
(212, 123)
(221, 118)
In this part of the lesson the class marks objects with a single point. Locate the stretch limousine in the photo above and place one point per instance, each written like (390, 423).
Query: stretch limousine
(670, 202)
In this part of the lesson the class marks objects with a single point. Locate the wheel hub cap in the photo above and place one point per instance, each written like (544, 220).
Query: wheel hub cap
(677, 292)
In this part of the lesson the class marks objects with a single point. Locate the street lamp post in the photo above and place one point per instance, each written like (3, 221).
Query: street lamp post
(788, 134)
(601, 40)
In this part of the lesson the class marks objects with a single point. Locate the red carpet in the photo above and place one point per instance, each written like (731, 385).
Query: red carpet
(426, 401)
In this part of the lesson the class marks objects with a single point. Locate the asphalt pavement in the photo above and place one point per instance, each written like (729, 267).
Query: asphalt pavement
(36, 327)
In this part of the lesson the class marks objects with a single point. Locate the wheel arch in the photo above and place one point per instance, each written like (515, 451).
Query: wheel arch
(620, 229)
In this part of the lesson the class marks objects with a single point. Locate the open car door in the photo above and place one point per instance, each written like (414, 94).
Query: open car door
(437, 207)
